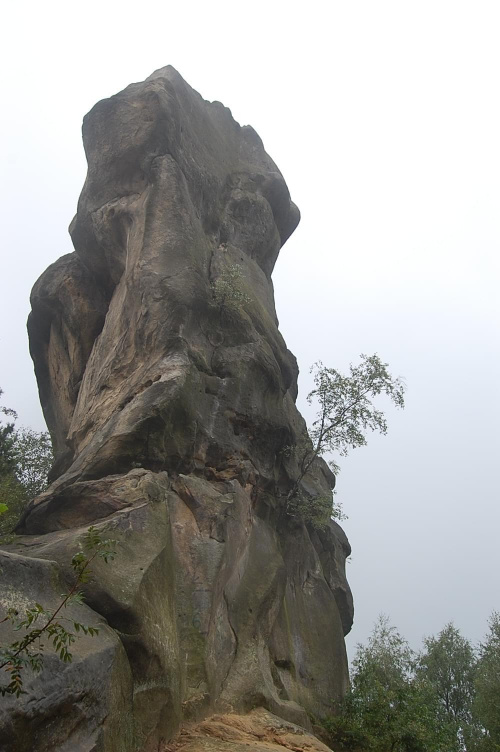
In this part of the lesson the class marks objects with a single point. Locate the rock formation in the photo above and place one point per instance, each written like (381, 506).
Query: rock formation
(170, 396)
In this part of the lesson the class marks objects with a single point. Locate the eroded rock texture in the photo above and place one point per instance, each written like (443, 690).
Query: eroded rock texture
(257, 731)
(170, 396)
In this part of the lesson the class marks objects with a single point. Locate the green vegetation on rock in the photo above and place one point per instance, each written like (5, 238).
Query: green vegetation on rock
(345, 412)
(227, 289)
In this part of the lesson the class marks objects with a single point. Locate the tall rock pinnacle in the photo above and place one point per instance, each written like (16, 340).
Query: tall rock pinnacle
(170, 397)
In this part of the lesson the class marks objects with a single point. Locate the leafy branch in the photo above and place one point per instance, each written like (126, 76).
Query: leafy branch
(20, 654)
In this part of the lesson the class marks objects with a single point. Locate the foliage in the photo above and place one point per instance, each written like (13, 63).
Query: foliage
(345, 407)
(486, 704)
(25, 460)
(7, 458)
(227, 289)
(34, 458)
(345, 413)
(387, 658)
(401, 720)
(442, 700)
(447, 666)
(387, 707)
(39, 623)
(315, 510)
(13, 499)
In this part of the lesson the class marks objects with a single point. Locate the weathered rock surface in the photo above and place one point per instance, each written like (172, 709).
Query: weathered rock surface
(257, 731)
(170, 396)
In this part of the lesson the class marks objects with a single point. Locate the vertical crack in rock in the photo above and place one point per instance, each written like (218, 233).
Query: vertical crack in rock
(235, 637)
(170, 396)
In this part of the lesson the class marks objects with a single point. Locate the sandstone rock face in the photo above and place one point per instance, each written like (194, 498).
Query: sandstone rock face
(170, 396)
(258, 731)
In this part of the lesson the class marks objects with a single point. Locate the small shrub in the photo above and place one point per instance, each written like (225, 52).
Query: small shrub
(227, 289)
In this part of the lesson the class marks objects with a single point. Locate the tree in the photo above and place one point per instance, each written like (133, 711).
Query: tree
(486, 705)
(25, 460)
(13, 502)
(7, 458)
(34, 458)
(447, 665)
(387, 708)
(345, 413)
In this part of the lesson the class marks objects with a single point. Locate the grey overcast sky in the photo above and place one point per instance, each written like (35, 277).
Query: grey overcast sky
(384, 118)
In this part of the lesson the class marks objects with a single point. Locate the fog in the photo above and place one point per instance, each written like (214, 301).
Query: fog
(384, 119)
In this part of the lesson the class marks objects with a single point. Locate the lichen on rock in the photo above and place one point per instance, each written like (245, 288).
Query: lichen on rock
(170, 396)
